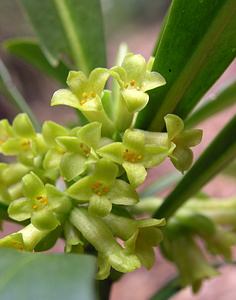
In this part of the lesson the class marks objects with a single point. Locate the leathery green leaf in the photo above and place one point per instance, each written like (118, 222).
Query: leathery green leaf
(218, 154)
(197, 44)
(30, 51)
(223, 100)
(46, 276)
(69, 27)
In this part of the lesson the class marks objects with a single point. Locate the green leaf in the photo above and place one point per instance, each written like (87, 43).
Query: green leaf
(46, 276)
(197, 44)
(29, 51)
(9, 90)
(222, 101)
(217, 155)
(160, 184)
(69, 27)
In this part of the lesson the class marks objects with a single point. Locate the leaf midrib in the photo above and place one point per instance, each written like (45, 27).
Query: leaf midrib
(73, 38)
(186, 77)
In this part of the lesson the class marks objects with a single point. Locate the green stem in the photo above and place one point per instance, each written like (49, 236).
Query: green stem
(104, 288)
(108, 128)
(124, 118)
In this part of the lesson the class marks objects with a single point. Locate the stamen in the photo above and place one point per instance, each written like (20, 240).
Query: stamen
(85, 95)
(42, 199)
(86, 150)
(132, 156)
(99, 188)
(25, 144)
(133, 82)
(83, 101)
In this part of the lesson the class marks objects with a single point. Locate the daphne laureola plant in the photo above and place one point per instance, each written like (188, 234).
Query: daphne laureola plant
(80, 183)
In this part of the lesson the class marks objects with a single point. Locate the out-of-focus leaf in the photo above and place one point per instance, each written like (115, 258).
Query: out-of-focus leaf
(69, 27)
(9, 90)
(27, 276)
(222, 101)
(29, 51)
(197, 44)
(216, 157)
(160, 184)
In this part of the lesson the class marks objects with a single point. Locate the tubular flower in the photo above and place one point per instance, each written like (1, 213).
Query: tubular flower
(140, 236)
(110, 253)
(22, 140)
(10, 181)
(190, 261)
(182, 156)
(136, 78)
(25, 239)
(79, 150)
(101, 189)
(44, 205)
(50, 132)
(135, 155)
(86, 95)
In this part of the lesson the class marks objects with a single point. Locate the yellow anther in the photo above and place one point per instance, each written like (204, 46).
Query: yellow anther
(85, 95)
(105, 189)
(131, 156)
(93, 95)
(25, 144)
(133, 82)
(83, 101)
(35, 206)
(42, 199)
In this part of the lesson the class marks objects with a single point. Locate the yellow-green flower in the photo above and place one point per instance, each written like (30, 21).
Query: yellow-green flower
(182, 155)
(135, 79)
(135, 155)
(101, 189)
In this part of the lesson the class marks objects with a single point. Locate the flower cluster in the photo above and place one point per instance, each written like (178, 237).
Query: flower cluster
(210, 220)
(80, 183)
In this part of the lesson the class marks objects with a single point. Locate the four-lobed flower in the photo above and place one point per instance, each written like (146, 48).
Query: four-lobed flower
(136, 78)
(135, 155)
(101, 189)
(182, 155)
(43, 204)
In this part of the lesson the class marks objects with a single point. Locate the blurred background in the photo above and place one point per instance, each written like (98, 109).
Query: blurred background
(136, 22)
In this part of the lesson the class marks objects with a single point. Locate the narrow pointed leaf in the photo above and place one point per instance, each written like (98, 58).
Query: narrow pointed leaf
(29, 51)
(216, 157)
(222, 101)
(197, 44)
(46, 276)
(69, 27)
